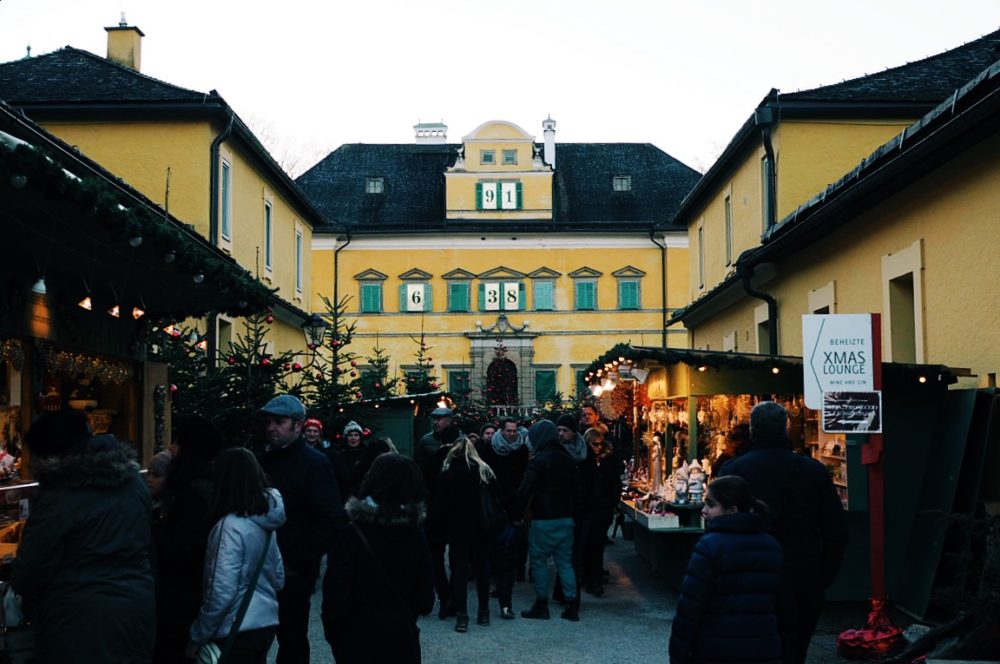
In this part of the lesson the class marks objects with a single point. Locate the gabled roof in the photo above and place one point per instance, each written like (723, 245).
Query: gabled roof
(928, 80)
(413, 199)
(501, 272)
(966, 119)
(907, 91)
(415, 274)
(83, 77)
(73, 84)
(458, 273)
(544, 273)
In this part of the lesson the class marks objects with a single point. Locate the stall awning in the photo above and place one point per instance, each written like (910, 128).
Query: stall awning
(70, 221)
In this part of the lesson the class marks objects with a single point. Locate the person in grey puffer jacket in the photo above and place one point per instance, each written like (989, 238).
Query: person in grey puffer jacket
(247, 512)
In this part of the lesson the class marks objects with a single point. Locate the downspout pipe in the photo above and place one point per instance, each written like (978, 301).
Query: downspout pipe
(213, 187)
(745, 274)
(663, 285)
(336, 268)
(764, 117)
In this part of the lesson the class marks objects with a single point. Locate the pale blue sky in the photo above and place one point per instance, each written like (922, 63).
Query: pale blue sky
(682, 75)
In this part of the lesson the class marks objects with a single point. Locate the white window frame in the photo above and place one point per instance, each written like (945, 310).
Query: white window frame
(375, 185)
(621, 183)
(824, 297)
(906, 261)
(226, 199)
(268, 235)
(299, 258)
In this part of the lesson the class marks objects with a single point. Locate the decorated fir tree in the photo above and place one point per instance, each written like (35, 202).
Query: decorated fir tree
(251, 375)
(192, 385)
(331, 379)
(501, 378)
(376, 383)
(422, 379)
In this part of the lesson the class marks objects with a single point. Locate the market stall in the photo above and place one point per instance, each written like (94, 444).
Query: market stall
(92, 272)
(684, 406)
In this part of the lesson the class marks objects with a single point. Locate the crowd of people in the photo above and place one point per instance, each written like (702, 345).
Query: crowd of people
(218, 552)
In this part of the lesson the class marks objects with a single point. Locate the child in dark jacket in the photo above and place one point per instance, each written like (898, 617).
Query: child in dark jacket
(726, 611)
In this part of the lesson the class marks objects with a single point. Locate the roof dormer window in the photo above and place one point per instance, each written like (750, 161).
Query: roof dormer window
(621, 183)
(374, 185)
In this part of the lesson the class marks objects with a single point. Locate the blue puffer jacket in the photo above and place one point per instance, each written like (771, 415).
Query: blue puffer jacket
(726, 611)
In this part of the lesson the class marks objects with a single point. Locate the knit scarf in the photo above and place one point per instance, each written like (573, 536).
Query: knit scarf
(503, 447)
(577, 449)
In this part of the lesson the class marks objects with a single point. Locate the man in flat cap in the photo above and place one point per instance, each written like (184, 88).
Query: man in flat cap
(429, 454)
(313, 509)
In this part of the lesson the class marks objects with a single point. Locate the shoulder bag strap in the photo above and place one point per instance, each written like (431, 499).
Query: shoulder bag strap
(245, 604)
(385, 577)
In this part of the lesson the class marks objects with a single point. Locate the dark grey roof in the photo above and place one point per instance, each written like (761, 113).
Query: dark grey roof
(927, 80)
(73, 84)
(413, 197)
(82, 76)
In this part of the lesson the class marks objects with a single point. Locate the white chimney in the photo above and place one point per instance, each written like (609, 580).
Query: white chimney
(431, 133)
(549, 125)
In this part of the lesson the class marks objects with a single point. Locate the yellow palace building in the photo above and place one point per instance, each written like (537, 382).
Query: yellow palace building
(536, 256)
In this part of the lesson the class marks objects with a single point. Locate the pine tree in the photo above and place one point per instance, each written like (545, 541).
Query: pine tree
(191, 383)
(422, 379)
(330, 380)
(501, 378)
(376, 383)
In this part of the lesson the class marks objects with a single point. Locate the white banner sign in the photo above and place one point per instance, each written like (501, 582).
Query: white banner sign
(508, 195)
(511, 296)
(837, 355)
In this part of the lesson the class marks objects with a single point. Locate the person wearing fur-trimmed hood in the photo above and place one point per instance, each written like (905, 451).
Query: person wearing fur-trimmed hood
(378, 578)
(83, 565)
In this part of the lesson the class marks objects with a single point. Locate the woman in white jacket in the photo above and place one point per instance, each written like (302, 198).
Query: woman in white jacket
(246, 511)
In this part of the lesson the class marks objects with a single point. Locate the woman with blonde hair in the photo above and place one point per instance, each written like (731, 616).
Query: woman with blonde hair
(457, 506)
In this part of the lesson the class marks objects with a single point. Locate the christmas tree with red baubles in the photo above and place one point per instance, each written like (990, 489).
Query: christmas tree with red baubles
(331, 379)
(422, 380)
(375, 381)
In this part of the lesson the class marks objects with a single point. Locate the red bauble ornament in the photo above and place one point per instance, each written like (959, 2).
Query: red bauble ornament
(357, 394)
(319, 374)
(354, 374)
(296, 367)
(379, 385)
(286, 366)
(231, 360)
(311, 346)
(334, 343)
(176, 334)
(173, 388)
(430, 359)
(265, 362)
(354, 363)
(270, 318)
(367, 431)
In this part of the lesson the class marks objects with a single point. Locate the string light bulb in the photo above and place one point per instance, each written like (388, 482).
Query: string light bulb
(138, 313)
(115, 311)
(86, 303)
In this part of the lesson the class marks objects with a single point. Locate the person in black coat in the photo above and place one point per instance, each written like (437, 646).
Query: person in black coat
(551, 487)
(313, 510)
(727, 608)
(807, 518)
(429, 453)
(508, 459)
(183, 534)
(457, 504)
(378, 577)
(83, 565)
(602, 472)
(345, 455)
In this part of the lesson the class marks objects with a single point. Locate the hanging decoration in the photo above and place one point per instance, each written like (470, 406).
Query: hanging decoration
(78, 365)
(12, 351)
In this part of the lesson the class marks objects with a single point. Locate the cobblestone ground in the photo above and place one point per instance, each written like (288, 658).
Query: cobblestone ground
(630, 624)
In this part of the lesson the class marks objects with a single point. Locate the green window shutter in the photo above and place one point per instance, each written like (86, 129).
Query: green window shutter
(402, 298)
(479, 195)
(545, 385)
(520, 197)
(371, 298)
(482, 297)
(582, 387)
(428, 298)
(628, 294)
(521, 296)
(458, 297)
(544, 296)
(585, 295)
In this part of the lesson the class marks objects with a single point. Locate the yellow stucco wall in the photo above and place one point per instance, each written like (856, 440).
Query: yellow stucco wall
(810, 155)
(141, 152)
(953, 213)
(815, 153)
